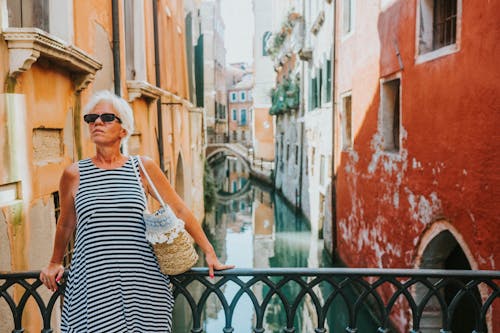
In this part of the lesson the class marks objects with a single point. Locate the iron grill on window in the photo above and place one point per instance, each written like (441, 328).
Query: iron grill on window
(445, 23)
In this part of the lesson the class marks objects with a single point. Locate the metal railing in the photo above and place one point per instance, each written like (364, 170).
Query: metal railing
(418, 293)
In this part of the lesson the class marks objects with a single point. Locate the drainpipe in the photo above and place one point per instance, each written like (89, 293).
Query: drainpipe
(158, 84)
(334, 177)
(116, 47)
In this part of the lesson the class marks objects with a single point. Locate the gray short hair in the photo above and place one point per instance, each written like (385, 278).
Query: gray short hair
(119, 104)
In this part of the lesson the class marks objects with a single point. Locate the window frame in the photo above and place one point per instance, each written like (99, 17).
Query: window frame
(396, 147)
(424, 56)
(233, 96)
(243, 114)
(352, 18)
(346, 140)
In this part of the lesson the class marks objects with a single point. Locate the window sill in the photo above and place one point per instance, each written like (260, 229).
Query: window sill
(27, 45)
(143, 89)
(346, 36)
(441, 52)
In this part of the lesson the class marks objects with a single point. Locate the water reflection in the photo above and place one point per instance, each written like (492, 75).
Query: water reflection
(253, 227)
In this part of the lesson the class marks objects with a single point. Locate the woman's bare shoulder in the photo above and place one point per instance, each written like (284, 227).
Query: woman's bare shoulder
(148, 162)
(71, 172)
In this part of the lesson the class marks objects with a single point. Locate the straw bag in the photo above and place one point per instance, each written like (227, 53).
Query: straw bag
(171, 243)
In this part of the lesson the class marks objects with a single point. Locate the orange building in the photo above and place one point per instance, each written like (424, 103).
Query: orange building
(52, 58)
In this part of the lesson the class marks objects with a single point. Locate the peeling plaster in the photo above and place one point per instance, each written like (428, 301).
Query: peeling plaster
(423, 210)
(390, 160)
(416, 164)
(490, 261)
(395, 200)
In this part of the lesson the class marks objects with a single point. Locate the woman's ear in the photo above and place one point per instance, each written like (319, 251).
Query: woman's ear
(123, 133)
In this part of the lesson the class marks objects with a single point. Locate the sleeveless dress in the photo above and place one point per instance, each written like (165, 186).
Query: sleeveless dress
(115, 283)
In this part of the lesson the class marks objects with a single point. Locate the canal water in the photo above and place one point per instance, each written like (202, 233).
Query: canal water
(253, 227)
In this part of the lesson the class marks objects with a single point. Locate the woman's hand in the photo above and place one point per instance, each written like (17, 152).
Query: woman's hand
(51, 275)
(214, 264)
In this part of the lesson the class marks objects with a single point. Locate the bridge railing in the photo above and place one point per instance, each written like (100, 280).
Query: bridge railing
(425, 296)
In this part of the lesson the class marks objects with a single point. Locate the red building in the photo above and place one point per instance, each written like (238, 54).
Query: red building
(417, 138)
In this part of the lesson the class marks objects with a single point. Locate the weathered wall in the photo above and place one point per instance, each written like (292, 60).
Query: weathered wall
(447, 166)
(42, 131)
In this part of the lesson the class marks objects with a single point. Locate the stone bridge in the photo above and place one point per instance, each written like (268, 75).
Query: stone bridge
(258, 168)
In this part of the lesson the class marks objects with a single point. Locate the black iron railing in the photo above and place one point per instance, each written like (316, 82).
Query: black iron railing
(428, 297)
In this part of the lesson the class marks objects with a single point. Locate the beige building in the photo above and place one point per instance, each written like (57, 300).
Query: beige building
(53, 55)
(240, 106)
(214, 57)
(263, 124)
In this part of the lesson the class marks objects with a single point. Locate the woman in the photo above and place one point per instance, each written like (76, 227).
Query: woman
(114, 284)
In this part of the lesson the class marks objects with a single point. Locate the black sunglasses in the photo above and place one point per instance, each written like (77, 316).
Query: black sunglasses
(105, 117)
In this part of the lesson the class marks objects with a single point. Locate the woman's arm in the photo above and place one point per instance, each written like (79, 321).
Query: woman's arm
(66, 223)
(180, 209)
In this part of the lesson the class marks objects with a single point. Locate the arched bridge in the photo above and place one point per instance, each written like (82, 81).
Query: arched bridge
(258, 168)
(232, 149)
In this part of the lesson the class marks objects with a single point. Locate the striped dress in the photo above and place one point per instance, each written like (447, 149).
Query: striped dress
(114, 284)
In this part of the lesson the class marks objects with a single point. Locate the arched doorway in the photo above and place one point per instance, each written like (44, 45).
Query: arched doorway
(444, 252)
(179, 177)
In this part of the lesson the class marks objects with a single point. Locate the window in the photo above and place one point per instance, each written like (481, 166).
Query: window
(243, 96)
(346, 121)
(57, 205)
(319, 88)
(390, 109)
(322, 170)
(243, 117)
(307, 165)
(129, 39)
(29, 14)
(438, 24)
(54, 17)
(347, 16)
(296, 155)
(265, 39)
(328, 81)
(235, 114)
(313, 156)
(313, 94)
(234, 97)
(282, 152)
(222, 111)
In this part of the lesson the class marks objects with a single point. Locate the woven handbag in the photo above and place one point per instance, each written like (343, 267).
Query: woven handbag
(171, 243)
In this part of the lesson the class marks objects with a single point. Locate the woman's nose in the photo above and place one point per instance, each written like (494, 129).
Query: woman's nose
(98, 120)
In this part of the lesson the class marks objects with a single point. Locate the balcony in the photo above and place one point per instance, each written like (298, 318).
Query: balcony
(430, 300)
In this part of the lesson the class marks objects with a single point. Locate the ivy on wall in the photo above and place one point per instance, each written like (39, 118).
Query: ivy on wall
(286, 96)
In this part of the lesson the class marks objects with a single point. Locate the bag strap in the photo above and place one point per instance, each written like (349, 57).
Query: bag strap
(139, 181)
(157, 194)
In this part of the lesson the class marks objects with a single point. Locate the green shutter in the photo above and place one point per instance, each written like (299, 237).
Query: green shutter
(198, 71)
